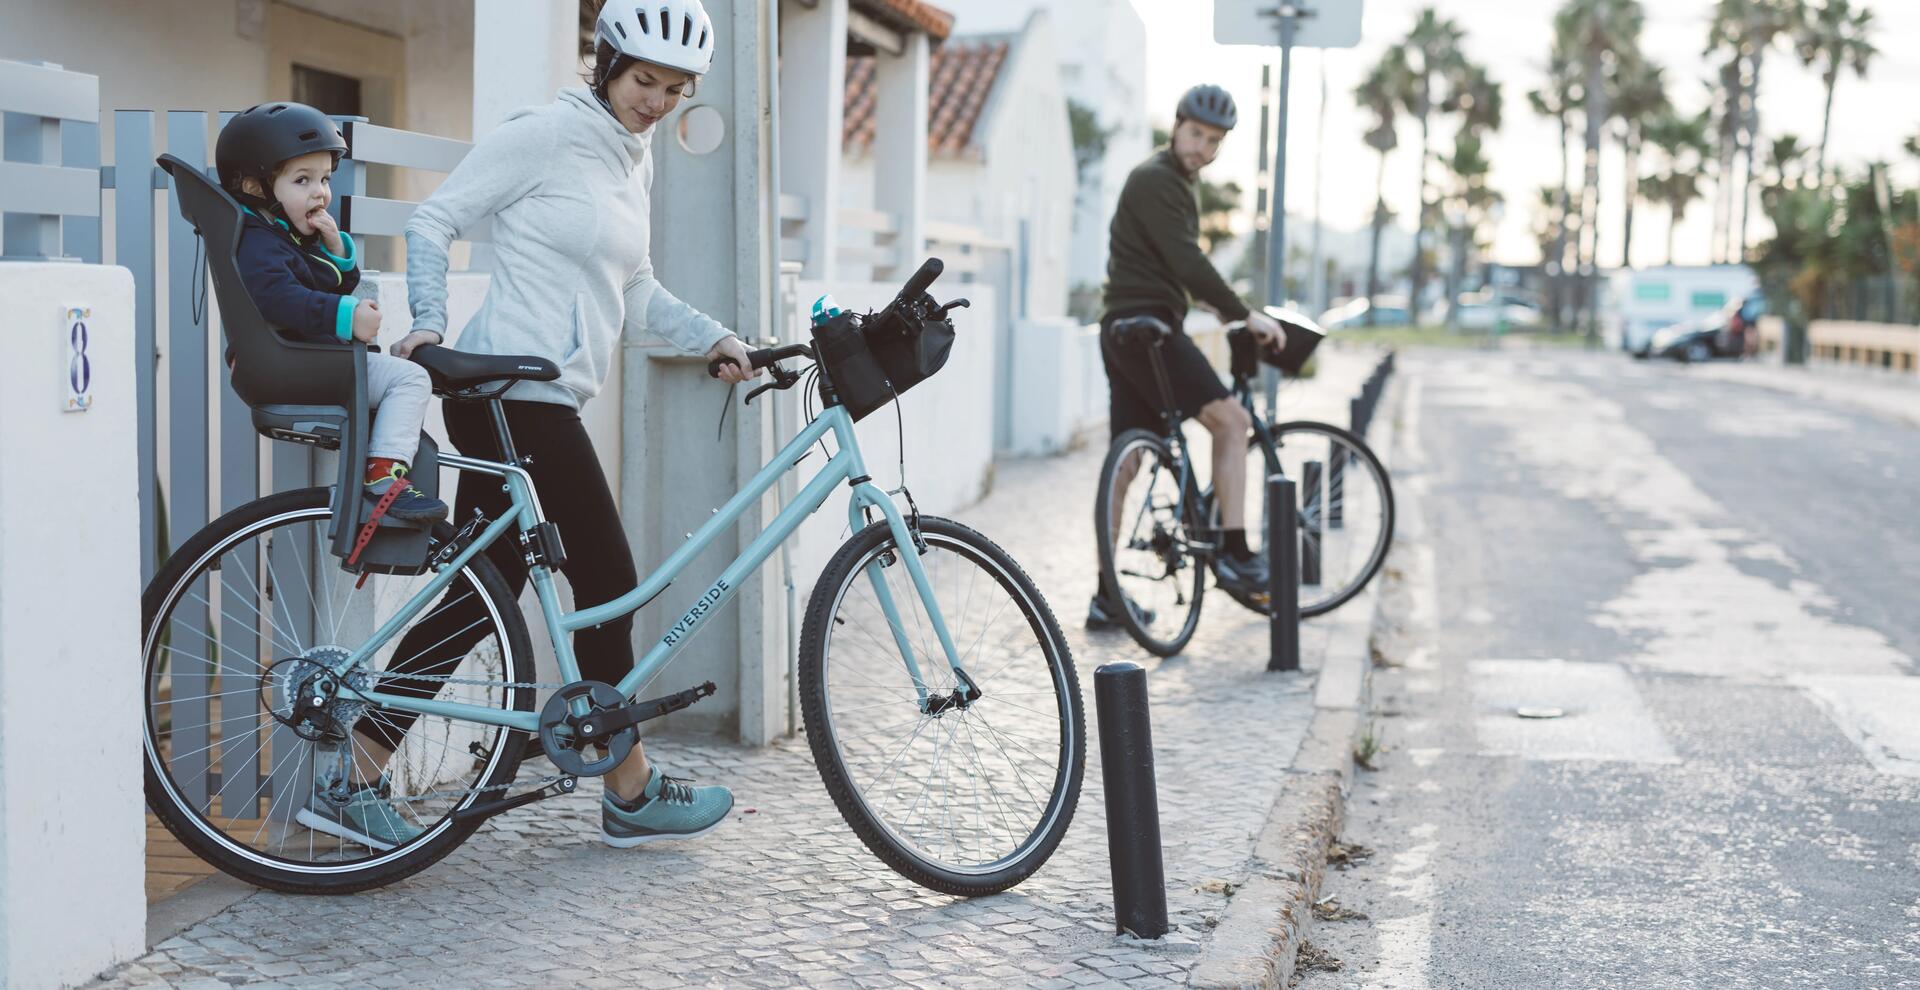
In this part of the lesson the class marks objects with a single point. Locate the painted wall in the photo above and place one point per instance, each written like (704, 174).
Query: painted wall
(70, 801)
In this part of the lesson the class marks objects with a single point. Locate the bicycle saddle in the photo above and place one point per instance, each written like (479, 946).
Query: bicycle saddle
(1141, 328)
(451, 369)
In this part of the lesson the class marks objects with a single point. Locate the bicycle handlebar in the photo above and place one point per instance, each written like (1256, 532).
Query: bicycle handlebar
(763, 357)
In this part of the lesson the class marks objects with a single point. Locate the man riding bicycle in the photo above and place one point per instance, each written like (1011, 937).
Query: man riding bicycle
(1154, 264)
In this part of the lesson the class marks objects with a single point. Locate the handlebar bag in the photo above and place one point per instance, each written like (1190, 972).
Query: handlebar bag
(873, 359)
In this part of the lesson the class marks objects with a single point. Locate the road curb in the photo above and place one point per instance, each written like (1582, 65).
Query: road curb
(1257, 942)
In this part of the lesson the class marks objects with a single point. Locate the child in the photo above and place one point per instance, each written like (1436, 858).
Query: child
(277, 160)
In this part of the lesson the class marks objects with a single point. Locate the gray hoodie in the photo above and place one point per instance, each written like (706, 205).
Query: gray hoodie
(566, 186)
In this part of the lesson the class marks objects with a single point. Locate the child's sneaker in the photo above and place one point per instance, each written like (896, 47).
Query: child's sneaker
(669, 808)
(412, 504)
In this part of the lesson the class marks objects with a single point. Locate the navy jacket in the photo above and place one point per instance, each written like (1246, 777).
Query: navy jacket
(299, 286)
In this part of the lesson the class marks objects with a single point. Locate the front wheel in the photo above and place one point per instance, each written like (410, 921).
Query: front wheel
(964, 783)
(1345, 511)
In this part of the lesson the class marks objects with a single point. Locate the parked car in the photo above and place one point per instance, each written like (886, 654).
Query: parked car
(1484, 314)
(1692, 341)
(1388, 311)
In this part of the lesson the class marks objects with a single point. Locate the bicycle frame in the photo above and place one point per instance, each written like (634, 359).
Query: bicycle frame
(524, 513)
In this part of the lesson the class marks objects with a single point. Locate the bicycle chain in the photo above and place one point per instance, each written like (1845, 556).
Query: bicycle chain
(537, 783)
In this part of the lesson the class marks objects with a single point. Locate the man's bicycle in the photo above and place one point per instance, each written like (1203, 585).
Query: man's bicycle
(1154, 523)
(940, 697)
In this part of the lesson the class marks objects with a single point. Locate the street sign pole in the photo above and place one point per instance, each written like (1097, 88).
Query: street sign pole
(1289, 16)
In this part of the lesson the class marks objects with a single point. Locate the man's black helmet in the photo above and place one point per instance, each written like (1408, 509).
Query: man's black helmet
(260, 138)
(1208, 104)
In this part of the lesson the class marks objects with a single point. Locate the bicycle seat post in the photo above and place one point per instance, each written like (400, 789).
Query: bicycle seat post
(507, 453)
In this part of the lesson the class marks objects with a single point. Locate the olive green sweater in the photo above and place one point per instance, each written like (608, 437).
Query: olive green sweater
(1154, 256)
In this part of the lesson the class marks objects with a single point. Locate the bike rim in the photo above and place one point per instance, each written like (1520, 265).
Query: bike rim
(974, 790)
(1343, 511)
(1155, 571)
(271, 593)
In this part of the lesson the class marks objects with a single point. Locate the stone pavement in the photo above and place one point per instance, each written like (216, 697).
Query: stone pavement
(785, 894)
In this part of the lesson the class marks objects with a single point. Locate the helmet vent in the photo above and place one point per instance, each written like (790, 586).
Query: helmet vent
(642, 15)
(309, 135)
(703, 38)
(686, 28)
(277, 108)
(622, 28)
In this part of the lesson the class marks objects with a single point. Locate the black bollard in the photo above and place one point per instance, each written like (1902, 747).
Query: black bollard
(1133, 807)
(1337, 488)
(1283, 574)
(1310, 519)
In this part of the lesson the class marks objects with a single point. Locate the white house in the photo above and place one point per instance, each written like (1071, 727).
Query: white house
(1000, 152)
(1103, 68)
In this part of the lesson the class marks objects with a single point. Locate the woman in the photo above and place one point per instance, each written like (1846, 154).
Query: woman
(566, 187)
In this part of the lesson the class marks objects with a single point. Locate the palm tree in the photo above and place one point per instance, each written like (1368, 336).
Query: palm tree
(1786, 165)
(1684, 149)
(1746, 29)
(1378, 92)
(1558, 99)
(1833, 36)
(1432, 51)
(1476, 98)
(1471, 199)
(1640, 97)
(1593, 31)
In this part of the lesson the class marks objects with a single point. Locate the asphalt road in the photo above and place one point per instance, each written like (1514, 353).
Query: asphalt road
(1718, 588)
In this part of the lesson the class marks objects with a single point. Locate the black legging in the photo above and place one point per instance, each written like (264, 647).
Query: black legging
(574, 496)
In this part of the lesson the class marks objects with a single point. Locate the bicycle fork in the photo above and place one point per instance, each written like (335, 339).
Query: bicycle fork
(908, 547)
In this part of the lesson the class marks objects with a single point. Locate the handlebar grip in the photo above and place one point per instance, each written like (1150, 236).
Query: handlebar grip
(756, 358)
(929, 271)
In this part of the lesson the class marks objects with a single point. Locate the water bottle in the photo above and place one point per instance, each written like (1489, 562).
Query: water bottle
(825, 309)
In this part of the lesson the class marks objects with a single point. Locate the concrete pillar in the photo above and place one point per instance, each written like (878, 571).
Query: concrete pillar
(72, 831)
(674, 469)
(813, 84)
(523, 52)
(899, 177)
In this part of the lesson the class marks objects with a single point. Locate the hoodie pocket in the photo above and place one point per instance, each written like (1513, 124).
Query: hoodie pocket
(580, 370)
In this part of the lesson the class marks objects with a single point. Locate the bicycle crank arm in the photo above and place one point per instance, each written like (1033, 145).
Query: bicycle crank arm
(488, 809)
(603, 725)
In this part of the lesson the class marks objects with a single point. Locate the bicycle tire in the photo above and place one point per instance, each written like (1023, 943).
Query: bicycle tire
(1168, 546)
(170, 588)
(1377, 554)
(838, 752)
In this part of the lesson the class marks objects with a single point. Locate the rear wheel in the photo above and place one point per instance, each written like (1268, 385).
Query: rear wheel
(241, 629)
(1153, 563)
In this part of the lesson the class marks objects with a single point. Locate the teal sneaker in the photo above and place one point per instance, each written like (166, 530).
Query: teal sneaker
(669, 808)
(356, 812)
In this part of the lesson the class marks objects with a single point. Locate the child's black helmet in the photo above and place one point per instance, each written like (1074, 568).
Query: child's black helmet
(1209, 104)
(260, 138)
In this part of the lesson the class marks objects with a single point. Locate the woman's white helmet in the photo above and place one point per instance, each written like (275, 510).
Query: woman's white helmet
(676, 34)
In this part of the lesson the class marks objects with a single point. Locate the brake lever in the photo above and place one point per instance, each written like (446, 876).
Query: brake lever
(961, 303)
(782, 379)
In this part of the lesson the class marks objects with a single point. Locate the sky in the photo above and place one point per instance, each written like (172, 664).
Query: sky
(1871, 117)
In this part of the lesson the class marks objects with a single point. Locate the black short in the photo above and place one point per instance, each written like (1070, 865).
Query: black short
(1133, 397)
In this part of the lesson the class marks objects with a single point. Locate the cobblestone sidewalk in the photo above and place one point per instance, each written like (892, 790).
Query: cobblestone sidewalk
(785, 894)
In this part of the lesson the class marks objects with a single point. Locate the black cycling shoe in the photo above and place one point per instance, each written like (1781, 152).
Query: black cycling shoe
(1103, 615)
(1241, 575)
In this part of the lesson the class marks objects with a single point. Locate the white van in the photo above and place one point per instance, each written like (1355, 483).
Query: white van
(1640, 302)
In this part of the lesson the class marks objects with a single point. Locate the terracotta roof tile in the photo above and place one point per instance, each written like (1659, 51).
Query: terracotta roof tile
(910, 14)
(961, 77)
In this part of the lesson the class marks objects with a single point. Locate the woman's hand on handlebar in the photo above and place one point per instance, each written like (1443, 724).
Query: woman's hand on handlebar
(735, 366)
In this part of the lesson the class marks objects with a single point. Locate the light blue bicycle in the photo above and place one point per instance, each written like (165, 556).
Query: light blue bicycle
(940, 698)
